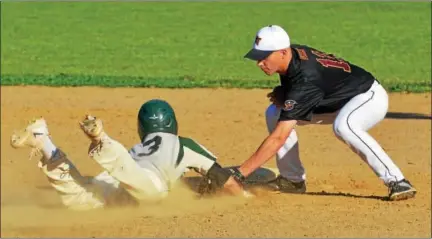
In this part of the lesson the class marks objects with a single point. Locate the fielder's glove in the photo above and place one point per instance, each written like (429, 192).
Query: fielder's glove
(207, 186)
(214, 180)
(277, 96)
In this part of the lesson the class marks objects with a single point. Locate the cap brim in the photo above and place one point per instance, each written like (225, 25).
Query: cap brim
(257, 55)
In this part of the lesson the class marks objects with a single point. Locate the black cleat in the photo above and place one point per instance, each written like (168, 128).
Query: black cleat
(401, 190)
(286, 186)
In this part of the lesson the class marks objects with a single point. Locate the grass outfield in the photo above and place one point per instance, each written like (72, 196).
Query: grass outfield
(193, 44)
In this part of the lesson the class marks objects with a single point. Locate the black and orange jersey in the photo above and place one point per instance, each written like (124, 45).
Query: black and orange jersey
(317, 83)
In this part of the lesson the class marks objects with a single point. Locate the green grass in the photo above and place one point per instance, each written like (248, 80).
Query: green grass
(193, 44)
(172, 82)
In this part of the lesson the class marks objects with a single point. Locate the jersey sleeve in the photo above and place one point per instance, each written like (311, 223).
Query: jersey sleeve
(134, 151)
(196, 156)
(300, 102)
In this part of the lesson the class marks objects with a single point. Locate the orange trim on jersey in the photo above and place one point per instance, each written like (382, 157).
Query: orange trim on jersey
(321, 54)
(302, 53)
(336, 64)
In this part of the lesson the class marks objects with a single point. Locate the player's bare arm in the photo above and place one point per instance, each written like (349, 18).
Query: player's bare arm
(266, 150)
(269, 147)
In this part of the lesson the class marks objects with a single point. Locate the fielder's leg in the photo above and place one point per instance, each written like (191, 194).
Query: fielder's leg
(74, 191)
(292, 174)
(141, 183)
(351, 125)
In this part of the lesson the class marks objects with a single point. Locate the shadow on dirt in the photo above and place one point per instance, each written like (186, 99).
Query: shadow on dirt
(193, 183)
(404, 115)
(340, 194)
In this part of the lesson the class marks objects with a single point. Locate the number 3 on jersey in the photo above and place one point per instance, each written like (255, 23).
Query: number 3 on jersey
(151, 145)
(331, 61)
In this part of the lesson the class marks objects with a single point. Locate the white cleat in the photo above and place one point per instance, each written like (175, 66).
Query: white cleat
(92, 127)
(27, 137)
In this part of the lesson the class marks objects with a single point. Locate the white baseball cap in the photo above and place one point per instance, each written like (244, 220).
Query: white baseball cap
(268, 40)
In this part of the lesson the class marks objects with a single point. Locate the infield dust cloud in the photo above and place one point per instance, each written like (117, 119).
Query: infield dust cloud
(40, 208)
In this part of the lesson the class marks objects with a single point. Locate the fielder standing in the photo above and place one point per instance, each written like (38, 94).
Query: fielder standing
(318, 88)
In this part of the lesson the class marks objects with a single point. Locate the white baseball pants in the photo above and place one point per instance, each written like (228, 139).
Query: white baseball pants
(122, 182)
(350, 124)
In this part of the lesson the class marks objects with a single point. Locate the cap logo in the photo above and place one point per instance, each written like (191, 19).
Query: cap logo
(257, 40)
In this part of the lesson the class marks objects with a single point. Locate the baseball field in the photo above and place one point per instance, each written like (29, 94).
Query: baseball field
(63, 60)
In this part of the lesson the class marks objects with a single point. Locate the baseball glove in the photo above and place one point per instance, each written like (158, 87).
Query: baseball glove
(214, 180)
(277, 96)
(207, 187)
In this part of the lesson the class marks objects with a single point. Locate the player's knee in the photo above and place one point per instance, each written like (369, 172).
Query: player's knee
(342, 130)
(272, 115)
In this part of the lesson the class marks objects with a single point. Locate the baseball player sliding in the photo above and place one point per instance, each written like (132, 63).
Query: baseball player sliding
(318, 88)
(144, 173)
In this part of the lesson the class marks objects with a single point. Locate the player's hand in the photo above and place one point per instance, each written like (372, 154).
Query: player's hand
(277, 96)
(235, 188)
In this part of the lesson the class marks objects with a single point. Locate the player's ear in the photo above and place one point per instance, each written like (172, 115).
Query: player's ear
(284, 53)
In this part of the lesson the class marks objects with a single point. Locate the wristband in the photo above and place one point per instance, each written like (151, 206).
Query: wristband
(237, 174)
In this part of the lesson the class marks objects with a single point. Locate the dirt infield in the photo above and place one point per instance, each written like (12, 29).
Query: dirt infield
(344, 199)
